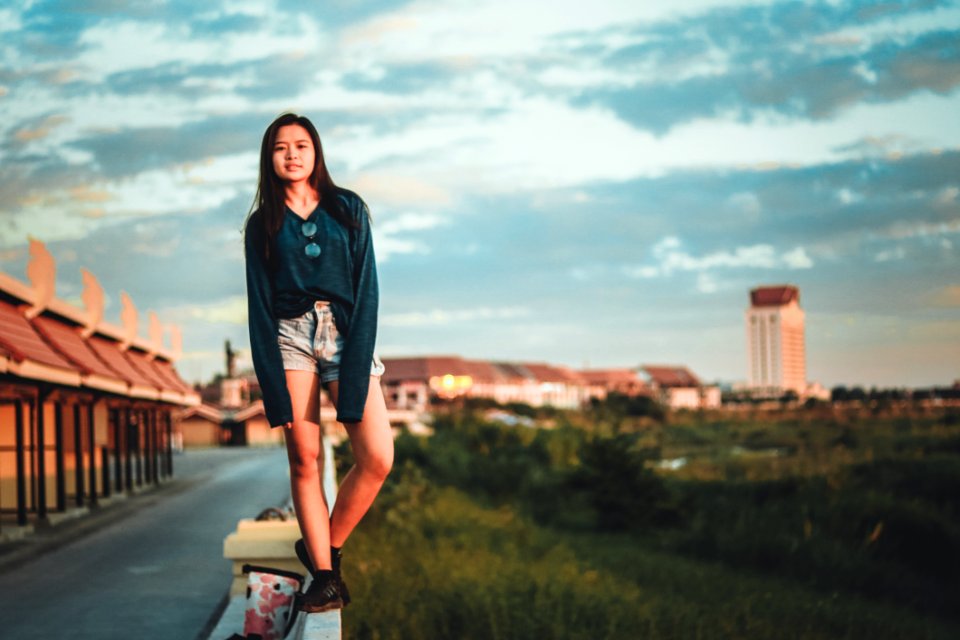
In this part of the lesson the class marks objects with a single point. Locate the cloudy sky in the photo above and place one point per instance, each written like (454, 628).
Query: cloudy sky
(585, 183)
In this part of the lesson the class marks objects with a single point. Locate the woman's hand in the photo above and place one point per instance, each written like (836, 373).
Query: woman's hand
(288, 425)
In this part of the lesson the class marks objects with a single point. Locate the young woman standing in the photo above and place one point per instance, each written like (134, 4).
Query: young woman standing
(312, 302)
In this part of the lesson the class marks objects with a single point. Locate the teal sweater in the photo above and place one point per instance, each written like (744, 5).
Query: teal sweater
(344, 273)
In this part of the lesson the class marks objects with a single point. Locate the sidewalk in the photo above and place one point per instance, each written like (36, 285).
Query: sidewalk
(19, 545)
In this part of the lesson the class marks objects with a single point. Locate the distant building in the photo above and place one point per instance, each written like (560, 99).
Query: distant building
(411, 383)
(678, 388)
(601, 382)
(229, 415)
(776, 360)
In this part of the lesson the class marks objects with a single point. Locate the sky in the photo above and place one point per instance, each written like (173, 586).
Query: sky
(588, 184)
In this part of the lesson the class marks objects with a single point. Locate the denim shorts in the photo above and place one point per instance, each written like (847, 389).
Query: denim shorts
(311, 342)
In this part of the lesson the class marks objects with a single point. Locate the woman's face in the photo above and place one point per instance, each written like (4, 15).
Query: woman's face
(293, 154)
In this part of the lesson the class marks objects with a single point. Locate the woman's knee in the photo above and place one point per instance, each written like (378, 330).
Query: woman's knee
(304, 459)
(377, 464)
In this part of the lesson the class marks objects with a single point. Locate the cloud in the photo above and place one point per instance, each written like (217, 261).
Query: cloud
(670, 257)
(948, 296)
(514, 166)
(38, 128)
(133, 150)
(411, 222)
(757, 60)
(878, 146)
(397, 190)
(232, 310)
(896, 253)
(388, 235)
(452, 316)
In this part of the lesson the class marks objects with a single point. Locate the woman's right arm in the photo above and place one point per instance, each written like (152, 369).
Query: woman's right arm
(267, 362)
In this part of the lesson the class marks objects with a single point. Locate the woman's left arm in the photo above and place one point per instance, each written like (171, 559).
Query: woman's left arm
(358, 350)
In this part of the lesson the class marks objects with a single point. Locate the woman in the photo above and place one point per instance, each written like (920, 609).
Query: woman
(312, 301)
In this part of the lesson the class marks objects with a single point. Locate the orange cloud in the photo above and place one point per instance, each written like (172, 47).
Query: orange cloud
(86, 194)
(41, 130)
(948, 296)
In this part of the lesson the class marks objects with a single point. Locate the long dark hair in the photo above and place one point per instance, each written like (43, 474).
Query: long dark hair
(269, 204)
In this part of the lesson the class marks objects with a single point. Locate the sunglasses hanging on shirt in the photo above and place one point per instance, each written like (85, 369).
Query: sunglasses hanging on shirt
(309, 230)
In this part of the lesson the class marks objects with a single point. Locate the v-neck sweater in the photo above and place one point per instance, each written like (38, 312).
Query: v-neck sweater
(344, 273)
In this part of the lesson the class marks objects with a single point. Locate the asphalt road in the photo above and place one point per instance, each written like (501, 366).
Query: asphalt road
(154, 568)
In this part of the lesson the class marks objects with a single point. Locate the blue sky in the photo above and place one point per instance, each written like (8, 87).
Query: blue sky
(590, 184)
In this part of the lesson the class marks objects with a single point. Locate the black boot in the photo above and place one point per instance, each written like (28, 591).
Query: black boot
(323, 594)
(335, 555)
(301, 549)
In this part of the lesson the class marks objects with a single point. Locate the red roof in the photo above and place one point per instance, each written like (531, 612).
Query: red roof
(141, 361)
(774, 296)
(544, 372)
(19, 338)
(205, 411)
(68, 342)
(166, 371)
(424, 367)
(610, 376)
(483, 371)
(513, 371)
(53, 347)
(111, 354)
(672, 376)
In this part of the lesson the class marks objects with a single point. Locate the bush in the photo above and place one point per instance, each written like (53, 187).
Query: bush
(615, 481)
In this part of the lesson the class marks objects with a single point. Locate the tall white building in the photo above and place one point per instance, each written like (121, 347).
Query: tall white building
(776, 359)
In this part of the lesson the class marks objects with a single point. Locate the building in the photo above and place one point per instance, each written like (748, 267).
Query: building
(411, 383)
(229, 415)
(678, 388)
(601, 382)
(776, 359)
(87, 408)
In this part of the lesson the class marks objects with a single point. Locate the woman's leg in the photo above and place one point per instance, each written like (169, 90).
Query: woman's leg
(372, 443)
(306, 465)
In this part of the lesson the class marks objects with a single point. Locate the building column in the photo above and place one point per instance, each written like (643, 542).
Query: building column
(154, 446)
(78, 454)
(58, 438)
(145, 433)
(41, 458)
(152, 421)
(127, 448)
(161, 443)
(136, 430)
(92, 448)
(21, 470)
(115, 419)
(158, 450)
(169, 422)
(170, 443)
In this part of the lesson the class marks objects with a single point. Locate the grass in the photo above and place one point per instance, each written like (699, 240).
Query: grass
(432, 563)
(487, 531)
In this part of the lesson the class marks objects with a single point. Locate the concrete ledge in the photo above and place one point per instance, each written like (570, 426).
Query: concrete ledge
(266, 543)
(269, 543)
(308, 626)
(317, 626)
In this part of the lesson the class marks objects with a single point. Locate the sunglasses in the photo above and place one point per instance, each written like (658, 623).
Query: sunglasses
(309, 230)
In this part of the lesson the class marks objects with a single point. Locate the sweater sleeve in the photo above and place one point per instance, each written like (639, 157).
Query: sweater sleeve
(267, 362)
(358, 349)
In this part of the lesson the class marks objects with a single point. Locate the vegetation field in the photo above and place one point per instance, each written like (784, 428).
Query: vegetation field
(619, 522)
